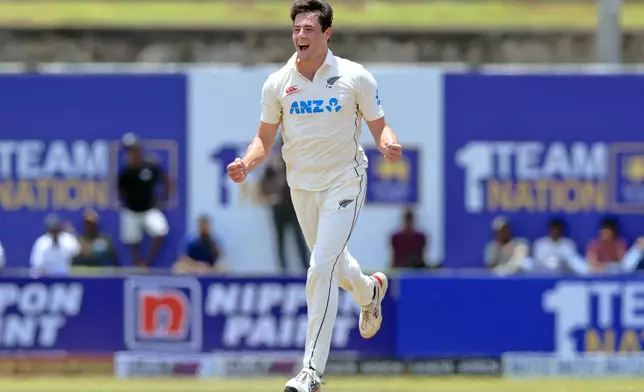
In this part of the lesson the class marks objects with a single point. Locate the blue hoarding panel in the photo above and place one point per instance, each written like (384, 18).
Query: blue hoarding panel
(60, 152)
(536, 147)
(174, 314)
(487, 316)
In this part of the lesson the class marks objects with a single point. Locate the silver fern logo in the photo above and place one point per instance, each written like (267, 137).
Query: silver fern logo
(331, 81)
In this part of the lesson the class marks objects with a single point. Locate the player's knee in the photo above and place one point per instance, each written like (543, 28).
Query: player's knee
(328, 255)
(323, 261)
(319, 271)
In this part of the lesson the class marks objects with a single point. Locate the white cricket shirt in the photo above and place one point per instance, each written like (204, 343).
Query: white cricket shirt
(54, 259)
(321, 120)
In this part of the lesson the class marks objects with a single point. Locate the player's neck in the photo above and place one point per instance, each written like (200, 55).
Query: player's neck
(308, 69)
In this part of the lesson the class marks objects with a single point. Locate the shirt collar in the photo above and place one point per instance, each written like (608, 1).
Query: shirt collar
(328, 60)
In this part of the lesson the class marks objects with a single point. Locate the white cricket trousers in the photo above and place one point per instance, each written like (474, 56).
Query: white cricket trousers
(327, 219)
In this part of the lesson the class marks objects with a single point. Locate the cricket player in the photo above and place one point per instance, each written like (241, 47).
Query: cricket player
(320, 101)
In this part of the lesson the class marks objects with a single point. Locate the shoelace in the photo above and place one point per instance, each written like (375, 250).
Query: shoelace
(308, 373)
(370, 312)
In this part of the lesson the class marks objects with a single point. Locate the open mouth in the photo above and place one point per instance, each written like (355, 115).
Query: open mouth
(303, 47)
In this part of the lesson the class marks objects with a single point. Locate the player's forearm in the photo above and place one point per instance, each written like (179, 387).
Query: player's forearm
(388, 136)
(382, 134)
(257, 152)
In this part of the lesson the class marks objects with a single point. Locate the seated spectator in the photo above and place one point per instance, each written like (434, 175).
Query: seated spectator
(408, 245)
(557, 253)
(607, 250)
(505, 253)
(97, 249)
(200, 253)
(53, 252)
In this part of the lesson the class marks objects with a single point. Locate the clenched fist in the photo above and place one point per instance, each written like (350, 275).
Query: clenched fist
(393, 152)
(237, 171)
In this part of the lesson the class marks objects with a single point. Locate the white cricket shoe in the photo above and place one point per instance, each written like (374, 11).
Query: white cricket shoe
(371, 315)
(307, 381)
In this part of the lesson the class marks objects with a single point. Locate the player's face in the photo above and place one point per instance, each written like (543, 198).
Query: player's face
(309, 39)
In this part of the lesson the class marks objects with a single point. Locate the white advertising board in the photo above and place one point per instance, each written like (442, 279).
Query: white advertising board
(549, 365)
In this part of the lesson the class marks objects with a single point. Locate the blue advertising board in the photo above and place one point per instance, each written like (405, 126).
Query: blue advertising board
(174, 314)
(534, 147)
(487, 316)
(60, 151)
(393, 183)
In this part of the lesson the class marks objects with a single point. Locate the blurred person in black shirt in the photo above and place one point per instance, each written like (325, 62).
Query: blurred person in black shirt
(137, 185)
(278, 195)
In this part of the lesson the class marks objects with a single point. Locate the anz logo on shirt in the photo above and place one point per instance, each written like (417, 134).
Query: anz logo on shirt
(315, 106)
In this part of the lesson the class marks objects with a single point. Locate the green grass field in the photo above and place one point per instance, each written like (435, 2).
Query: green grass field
(480, 14)
(355, 384)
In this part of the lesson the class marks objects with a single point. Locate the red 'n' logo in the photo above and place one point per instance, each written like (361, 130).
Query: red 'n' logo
(291, 90)
(163, 314)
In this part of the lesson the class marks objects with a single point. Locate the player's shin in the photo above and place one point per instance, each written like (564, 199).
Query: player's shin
(322, 301)
(361, 284)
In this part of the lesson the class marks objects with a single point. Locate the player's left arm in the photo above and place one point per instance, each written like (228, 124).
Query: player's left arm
(371, 109)
(36, 259)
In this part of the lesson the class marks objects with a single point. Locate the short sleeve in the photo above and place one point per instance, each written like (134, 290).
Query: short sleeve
(37, 253)
(489, 254)
(368, 98)
(74, 245)
(570, 248)
(271, 107)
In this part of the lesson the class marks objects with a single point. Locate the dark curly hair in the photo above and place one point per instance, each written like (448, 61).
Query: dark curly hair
(320, 7)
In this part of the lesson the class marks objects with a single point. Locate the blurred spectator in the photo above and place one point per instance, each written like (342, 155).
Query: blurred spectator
(3, 260)
(97, 249)
(277, 194)
(505, 253)
(137, 184)
(408, 245)
(53, 252)
(557, 253)
(608, 249)
(200, 253)
(634, 259)
(555, 245)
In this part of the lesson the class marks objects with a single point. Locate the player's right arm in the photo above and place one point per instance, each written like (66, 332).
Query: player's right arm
(262, 144)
